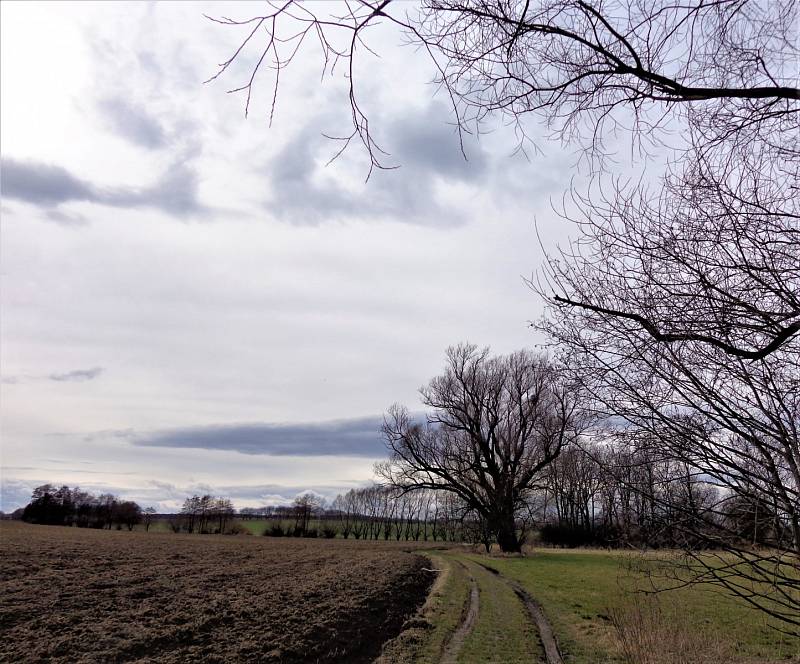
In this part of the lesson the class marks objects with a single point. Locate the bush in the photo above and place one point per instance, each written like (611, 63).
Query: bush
(566, 536)
(237, 529)
(328, 532)
(275, 530)
(309, 533)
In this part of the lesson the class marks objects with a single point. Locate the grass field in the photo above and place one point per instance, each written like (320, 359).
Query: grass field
(501, 614)
(591, 601)
(252, 526)
(584, 592)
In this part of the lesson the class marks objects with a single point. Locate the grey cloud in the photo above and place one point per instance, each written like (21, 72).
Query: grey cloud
(427, 144)
(132, 122)
(62, 470)
(175, 192)
(353, 437)
(42, 184)
(66, 218)
(427, 151)
(250, 492)
(78, 375)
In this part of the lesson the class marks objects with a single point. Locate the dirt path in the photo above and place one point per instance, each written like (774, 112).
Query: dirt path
(537, 614)
(456, 642)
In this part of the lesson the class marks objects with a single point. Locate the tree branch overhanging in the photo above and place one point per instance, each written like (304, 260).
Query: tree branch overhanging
(780, 336)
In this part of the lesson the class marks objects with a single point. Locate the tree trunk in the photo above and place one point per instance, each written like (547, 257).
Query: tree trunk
(506, 532)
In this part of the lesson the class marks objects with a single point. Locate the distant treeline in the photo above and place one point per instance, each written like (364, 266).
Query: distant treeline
(206, 515)
(598, 494)
(64, 506)
(371, 513)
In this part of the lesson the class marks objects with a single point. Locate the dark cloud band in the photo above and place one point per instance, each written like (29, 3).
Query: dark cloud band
(356, 437)
(46, 186)
(77, 375)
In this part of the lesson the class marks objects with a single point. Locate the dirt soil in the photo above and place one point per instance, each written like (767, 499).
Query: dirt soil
(76, 595)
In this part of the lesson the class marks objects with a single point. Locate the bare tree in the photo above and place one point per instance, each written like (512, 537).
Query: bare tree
(681, 312)
(106, 506)
(147, 516)
(620, 64)
(345, 508)
(306, 506)
(222, 511)
(495, 424)
(129, 514)
(678, 303)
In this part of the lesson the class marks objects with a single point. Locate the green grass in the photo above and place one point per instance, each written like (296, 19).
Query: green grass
(581, 590)
(156, 526)
(575, 590)
(503, 633)
(257, 526)
(253, 526)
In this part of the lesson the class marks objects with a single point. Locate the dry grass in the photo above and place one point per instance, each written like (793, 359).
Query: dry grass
(651, 629)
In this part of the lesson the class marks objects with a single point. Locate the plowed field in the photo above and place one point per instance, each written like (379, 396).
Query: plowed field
(75, 595)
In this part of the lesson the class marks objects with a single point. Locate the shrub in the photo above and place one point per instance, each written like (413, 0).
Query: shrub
(566, 536)
(275, 530)
(328, 532)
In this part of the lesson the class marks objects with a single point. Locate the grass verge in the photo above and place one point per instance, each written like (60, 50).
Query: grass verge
(424, 636)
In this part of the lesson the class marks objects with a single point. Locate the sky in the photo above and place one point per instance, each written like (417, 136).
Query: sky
(192, 300)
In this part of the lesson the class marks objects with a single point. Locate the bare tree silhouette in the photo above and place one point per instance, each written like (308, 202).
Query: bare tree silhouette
(495, 426)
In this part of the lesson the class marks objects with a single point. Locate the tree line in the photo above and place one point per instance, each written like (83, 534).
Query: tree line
(65, 506)
(381, 512)
(601, 493)
(205, 514)
(607, 493)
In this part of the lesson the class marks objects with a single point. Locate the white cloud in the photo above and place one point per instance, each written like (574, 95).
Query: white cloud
(240, 315)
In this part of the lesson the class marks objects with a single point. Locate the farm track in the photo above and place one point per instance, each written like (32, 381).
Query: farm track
(469, 616)
(546, 634)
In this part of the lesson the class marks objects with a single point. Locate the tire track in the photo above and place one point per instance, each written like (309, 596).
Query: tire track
(453, 647)
(548, 638)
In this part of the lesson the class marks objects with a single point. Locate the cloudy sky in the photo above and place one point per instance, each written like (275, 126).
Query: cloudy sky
(194, 301)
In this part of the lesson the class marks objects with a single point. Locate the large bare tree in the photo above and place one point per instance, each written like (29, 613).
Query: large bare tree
(495, 424)
(678, 303)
